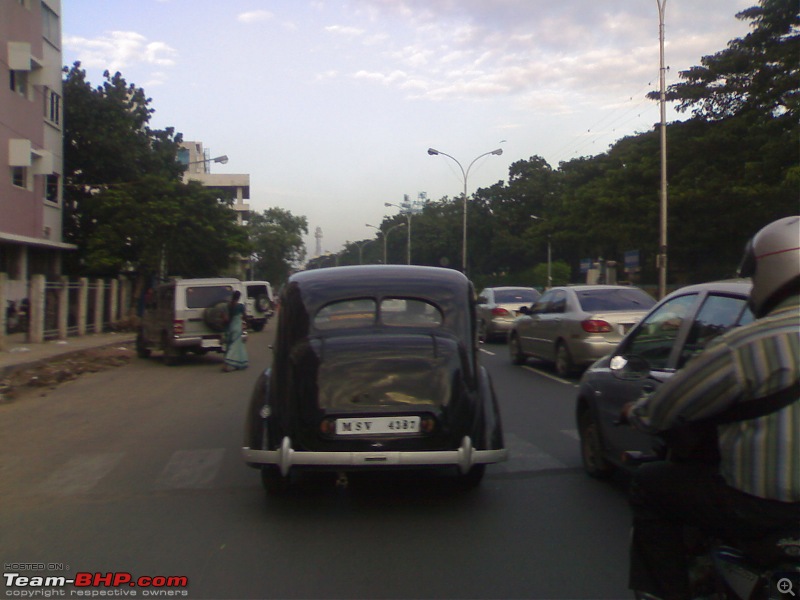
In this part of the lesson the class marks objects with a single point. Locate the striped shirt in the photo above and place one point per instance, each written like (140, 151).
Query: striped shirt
(760, 456)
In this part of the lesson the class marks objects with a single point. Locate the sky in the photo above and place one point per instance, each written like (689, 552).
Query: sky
(331, 106)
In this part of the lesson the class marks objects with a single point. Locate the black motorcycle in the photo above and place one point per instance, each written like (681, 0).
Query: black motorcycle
(759, 569)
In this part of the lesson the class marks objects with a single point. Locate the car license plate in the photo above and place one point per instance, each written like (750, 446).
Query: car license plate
(377, 425)
(209, 343)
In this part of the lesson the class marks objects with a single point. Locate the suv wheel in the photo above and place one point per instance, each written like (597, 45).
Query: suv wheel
(142, 351)
(171, 354)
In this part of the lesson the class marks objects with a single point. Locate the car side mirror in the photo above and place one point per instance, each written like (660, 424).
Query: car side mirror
(630, 368)
(524, 310)
(481, 299)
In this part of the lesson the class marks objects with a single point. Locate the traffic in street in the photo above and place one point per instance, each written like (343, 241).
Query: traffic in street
(137, 472)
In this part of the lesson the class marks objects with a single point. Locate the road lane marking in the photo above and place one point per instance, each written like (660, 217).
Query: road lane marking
(573, 433)
(550, 376)
(80, 474)
(524, 456)
(190, 469)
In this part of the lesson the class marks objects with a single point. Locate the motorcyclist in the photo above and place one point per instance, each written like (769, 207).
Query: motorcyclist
(753, 486)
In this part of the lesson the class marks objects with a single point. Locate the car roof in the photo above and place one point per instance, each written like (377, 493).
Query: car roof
(325, 285)
(204, 281)
(587, 287)
(733, 286)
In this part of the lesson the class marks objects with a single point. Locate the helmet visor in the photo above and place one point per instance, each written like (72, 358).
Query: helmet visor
(747, 268)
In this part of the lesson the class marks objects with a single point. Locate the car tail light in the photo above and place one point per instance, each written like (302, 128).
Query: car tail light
(596, 326)
(427, 424)
(500, 312)
(177, 327)
(327, 426)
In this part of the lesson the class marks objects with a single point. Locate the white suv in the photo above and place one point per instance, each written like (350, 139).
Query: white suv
(259, 304)
(186, 315)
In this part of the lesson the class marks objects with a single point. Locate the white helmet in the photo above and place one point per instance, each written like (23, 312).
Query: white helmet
(772, 259)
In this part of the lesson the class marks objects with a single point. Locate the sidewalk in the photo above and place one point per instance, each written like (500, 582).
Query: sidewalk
(18, 353)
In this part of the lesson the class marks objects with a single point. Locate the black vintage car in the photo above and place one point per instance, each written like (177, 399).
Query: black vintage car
(374, 367)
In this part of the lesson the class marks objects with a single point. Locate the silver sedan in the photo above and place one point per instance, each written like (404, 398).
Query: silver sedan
(573, 326)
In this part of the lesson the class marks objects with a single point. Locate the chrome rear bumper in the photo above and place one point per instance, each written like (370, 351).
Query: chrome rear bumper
(464, 457)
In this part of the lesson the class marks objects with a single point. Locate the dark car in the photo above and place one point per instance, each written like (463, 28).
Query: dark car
(374, 367)
(498, 307)
(677, 328)
(572, 326)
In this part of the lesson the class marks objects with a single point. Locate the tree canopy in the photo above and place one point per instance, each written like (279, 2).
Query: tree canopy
(126, 206)
(733, 167)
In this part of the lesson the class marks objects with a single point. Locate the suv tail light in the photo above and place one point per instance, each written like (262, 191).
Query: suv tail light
(177, 327)
(596, 326)
(500, 312)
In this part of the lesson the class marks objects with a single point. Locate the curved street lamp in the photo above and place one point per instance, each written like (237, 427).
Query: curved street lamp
(407, 215)
(385, 235)
(464, 175)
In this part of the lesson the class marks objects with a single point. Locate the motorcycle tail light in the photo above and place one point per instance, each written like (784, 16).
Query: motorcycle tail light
(177, 327)
(596, 326)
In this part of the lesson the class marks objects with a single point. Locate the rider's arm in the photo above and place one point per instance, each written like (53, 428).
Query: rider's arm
(709, 384)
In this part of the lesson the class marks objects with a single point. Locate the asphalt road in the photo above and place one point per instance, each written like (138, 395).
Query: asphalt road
(136, 470)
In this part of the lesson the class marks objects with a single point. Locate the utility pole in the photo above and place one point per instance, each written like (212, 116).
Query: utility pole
(662, 238)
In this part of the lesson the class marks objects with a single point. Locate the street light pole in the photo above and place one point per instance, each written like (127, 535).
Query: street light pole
(464, 175)
(662, 241)
(385, 235)
(408, 217)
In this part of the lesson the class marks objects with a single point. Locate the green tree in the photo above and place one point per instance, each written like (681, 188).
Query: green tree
(757, 73)
(276, 238)
(126, 206)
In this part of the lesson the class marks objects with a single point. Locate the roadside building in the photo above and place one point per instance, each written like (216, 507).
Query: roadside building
(31, 121)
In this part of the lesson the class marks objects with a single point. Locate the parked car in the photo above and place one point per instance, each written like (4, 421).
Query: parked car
(674, 331)
(259, 304)
(499, 306)
(374, 367)
(186, 315)
(573, 326)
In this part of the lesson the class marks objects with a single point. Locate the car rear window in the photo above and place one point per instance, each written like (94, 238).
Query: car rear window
(409, 312)
(615, 299)
(394, 312)
(203, 297)
(511, 296)
(346, 314)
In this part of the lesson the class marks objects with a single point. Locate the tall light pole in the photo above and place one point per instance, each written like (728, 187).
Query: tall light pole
(464, 175)
(549, 256)
(662, 237)
(406, 212)
(360, 246)
(385, 235)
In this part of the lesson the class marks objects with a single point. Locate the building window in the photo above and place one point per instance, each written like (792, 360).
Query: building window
(51, 28)
(52, 106)
(19, 177)
(19, 82)
(51, 189)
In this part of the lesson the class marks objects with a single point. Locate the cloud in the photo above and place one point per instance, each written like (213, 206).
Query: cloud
(344, 30)
(475, 49)
(118, 50)
(254, 16)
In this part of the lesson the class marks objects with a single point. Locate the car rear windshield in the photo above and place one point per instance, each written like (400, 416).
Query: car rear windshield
(511, 296)
(203, 297)
(617, 299)
(394, 312)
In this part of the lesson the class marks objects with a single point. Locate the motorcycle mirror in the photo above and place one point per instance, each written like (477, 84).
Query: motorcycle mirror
(629, 368)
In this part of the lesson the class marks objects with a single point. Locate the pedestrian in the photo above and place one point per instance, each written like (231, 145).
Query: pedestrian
(235, 351)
